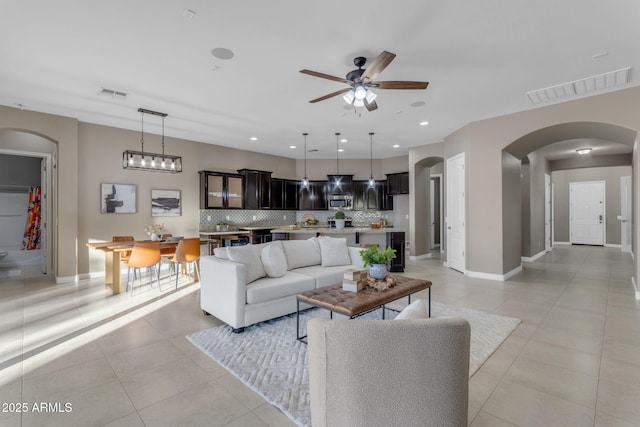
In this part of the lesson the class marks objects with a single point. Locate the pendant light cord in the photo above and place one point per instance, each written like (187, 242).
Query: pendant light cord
(305, 154)
(142, 131)
(337, 153)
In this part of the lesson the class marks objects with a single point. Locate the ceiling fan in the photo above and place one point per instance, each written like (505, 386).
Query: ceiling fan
(361, 81)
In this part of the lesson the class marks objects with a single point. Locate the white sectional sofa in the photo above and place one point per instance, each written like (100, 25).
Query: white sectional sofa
(244, 285)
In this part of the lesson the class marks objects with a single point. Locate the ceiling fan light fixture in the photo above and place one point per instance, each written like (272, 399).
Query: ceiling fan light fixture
(584, 150)
(370, 96)
(358, 102)
(360, 92)
(349, 97)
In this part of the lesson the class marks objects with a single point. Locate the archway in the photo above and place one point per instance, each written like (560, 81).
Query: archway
(23, 144)
(421, 227)
(523, 176)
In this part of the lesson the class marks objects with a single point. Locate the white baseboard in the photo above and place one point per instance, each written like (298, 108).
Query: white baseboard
(612, 245)
(497, 277)
(66, 279)
(419, 257)
(635, 287)
(535, 257)
(561, 243)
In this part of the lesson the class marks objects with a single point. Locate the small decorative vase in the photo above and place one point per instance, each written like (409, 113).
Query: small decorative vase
(155, 236)
(339, 223)
(378, 271)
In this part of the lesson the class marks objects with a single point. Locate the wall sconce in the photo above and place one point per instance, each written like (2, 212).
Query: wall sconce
(141, 160)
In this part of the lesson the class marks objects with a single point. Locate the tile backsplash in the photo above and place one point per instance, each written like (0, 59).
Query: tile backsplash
(210, 217)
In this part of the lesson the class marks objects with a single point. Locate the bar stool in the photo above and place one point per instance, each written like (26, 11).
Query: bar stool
(144, 255)
(188, 252)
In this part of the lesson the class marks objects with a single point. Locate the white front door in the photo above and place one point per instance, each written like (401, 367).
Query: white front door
(456, 213)
(547, 212)
(587, 212)
(625, 213)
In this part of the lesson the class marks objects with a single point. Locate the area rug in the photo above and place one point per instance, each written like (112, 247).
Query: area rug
(268, 358)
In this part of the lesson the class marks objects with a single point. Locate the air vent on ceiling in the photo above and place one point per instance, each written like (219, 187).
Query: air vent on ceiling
(580, 87)
(114, 93)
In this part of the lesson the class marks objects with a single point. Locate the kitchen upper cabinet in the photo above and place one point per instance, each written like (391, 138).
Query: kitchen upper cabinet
(340, 184)
(291, 194)
(257, 189)
(313, 198)
(284, 194)
(220, 190)
(398, 183)
(366, 198)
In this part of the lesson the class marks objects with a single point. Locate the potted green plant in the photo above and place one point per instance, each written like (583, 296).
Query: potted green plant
(222, 226)
(339, 218)
(377, 261)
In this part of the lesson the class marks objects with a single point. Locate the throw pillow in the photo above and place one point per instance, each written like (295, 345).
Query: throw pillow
(221, 252)
(334, 251)
(415, 310)
(247, 256)
(273, 260)
(301, 253)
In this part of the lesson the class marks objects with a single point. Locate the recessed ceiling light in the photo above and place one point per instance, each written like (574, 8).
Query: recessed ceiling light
(292, 146)
(222, 53)
(585, 150)
(424, 123)
(343, 140)
(253, 138)
(396, 146)
(341, 150)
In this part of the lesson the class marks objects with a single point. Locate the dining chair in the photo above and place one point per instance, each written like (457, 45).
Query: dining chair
(187, 252)
(144, 255)
(124, 256)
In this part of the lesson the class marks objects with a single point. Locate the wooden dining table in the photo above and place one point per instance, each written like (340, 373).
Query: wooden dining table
(112, 255)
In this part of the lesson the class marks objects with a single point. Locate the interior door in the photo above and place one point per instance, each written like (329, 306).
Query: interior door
(547, 212)
(587, 212)
(456, 213)
(625, 213)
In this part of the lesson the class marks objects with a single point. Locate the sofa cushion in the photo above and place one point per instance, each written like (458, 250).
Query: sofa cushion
(221, 252)
(271, 288)
(273, 260)
(301, 253)
(247, 256)
(324, 276)
(415, 310)
(333, 251)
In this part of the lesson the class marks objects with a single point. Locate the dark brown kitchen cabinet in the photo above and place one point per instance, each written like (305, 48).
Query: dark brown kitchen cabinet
(220, 190)
(398, 183)
(367, 198)
(257, 189)
(395, 240)
(314, 197)
(284, 194)
(340, 184)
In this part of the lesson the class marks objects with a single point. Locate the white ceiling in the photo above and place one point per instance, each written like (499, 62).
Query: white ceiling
(480, 57)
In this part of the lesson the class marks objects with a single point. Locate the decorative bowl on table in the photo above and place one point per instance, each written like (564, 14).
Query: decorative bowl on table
(375, 225)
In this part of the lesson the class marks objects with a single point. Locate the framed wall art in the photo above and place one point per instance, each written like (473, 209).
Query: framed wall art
(166, 203)
(118, 198)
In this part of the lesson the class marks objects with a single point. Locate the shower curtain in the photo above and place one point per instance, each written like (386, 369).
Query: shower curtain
(31, 238)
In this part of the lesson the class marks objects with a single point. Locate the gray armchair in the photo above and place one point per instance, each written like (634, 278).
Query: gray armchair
(389, 373)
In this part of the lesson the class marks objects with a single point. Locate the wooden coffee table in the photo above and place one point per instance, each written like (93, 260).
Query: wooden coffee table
(354, 304)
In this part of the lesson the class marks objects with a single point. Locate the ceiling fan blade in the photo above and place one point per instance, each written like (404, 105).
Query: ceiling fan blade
(331, 95)
(401, 85)
(370, 105)
(377, 66)
(325, 76)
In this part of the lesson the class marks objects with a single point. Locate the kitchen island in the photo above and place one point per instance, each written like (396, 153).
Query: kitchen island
(356, 236)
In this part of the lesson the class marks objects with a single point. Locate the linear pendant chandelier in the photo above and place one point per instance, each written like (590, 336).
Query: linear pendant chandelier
(142, 160)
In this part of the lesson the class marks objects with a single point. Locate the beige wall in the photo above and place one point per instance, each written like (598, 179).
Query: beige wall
(533, 208)
(561, 181)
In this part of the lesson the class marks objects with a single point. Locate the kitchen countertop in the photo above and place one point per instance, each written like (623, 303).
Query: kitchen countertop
(222, 233)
